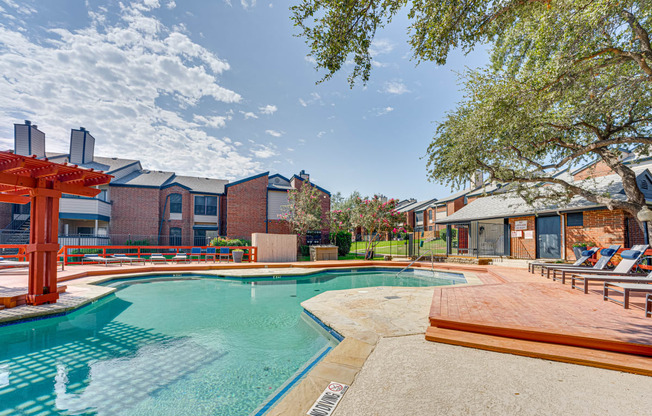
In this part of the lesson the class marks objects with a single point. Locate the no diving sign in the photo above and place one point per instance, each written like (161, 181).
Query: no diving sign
(328, 400)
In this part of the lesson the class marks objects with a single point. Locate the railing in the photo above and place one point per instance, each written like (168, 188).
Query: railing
(13, 251)
(84, 240)
(72, 254)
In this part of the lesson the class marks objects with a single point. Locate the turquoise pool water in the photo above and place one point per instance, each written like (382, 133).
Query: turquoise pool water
(175, 346)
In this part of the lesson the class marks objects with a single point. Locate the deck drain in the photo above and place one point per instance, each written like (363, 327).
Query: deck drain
(392, 297)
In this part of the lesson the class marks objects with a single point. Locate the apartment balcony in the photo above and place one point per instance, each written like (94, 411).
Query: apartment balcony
(81, 208)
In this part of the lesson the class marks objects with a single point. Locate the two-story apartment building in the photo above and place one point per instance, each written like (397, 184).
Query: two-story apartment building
(150, 207)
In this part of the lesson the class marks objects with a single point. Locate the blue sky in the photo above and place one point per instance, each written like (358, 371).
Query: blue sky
(221, 89)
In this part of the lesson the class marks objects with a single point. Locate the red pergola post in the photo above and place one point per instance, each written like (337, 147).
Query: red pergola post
(43, 245)
(41, 182)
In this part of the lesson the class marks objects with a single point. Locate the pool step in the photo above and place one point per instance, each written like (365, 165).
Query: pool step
(575, 355)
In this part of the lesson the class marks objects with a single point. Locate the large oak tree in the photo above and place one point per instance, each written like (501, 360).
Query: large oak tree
(569, 81)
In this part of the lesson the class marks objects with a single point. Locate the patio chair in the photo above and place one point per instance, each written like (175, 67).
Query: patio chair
(7, 264)
(630, 259)
(648, 305)
(586, 255)
(180, 257)
(125, 258)
(625, 289)
(587, 278)
(195, 252)
(606, 254)
(225, 251)
(158, 257)
(211, 252)
(99, 259)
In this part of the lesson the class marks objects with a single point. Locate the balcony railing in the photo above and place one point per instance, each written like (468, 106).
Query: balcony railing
(87, 206)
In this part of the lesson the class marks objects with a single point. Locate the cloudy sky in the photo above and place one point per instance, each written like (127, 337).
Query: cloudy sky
(220, 88)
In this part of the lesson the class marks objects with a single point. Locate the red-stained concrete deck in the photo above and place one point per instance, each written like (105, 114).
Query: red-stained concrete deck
(522, 313)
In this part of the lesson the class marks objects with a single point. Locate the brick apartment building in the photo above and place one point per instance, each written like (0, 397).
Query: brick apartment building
(153, 207)
(491, 223)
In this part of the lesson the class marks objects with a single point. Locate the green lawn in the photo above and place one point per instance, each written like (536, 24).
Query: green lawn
(400, 247)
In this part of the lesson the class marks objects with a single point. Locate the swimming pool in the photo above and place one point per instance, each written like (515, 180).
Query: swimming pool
(176, 345)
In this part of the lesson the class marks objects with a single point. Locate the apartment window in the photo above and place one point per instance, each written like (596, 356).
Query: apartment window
(205, 205)
(85, 230)
(575, 220)
(175, 236)
(102, 195)
(420, 216)
(176, 206)
(429, 215)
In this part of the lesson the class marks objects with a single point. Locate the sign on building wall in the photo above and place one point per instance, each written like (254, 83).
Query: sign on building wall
(520, 225)
(529, 235)
(517, 234)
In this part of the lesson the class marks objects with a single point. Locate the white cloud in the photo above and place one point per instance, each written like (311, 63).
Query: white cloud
(274, 133)
(171, 5)
(303, 103)
(248, 114)
(290, 149)
(247, 4)
(262, 151)
(395, 87)
(380, 47)
(321, 133)
(211, 121)
(310, 59)
(268, 109)
(383, 111)
(314, 97)
(131, 82)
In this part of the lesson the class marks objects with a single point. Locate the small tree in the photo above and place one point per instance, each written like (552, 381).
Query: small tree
(376, 217)
(304, 211)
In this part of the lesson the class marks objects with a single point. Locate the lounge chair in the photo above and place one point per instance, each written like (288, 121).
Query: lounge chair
(225, 251)
(606, 254)
(586, 255)
(125, 258)
(625, 289)
(8, 264)
(587, 278)
(630, 259)
(99, 259)
(158, 257)
(648, 305)
(211, 252)
(195, 252)
(180, 257)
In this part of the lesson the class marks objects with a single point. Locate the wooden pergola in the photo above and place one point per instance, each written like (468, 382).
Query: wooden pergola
(40, 182)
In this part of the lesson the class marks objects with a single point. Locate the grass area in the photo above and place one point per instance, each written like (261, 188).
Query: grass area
(398, 248)
(350, 256)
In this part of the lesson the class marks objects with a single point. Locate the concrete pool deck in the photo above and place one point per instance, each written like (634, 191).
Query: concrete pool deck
(375, 321)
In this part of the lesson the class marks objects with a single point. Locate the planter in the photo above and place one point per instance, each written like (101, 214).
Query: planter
(237, 256)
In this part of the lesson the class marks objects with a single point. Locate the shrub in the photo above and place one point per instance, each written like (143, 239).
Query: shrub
(87, 251)
(304, 250)
(342, 241)
(442, 233)
(226, 242)
(137, 243)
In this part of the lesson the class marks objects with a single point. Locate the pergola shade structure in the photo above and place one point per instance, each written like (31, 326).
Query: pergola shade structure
(40, 182)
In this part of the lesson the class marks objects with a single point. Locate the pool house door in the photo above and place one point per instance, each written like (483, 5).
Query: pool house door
(548, 237)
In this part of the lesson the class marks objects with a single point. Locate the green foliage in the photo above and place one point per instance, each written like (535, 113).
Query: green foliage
(584, 244)
(226, 242)
(304, 250)
(342, 240)
(304, 211)
(137, 243)
(442, 234)
(87, 251)
(569, 83)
